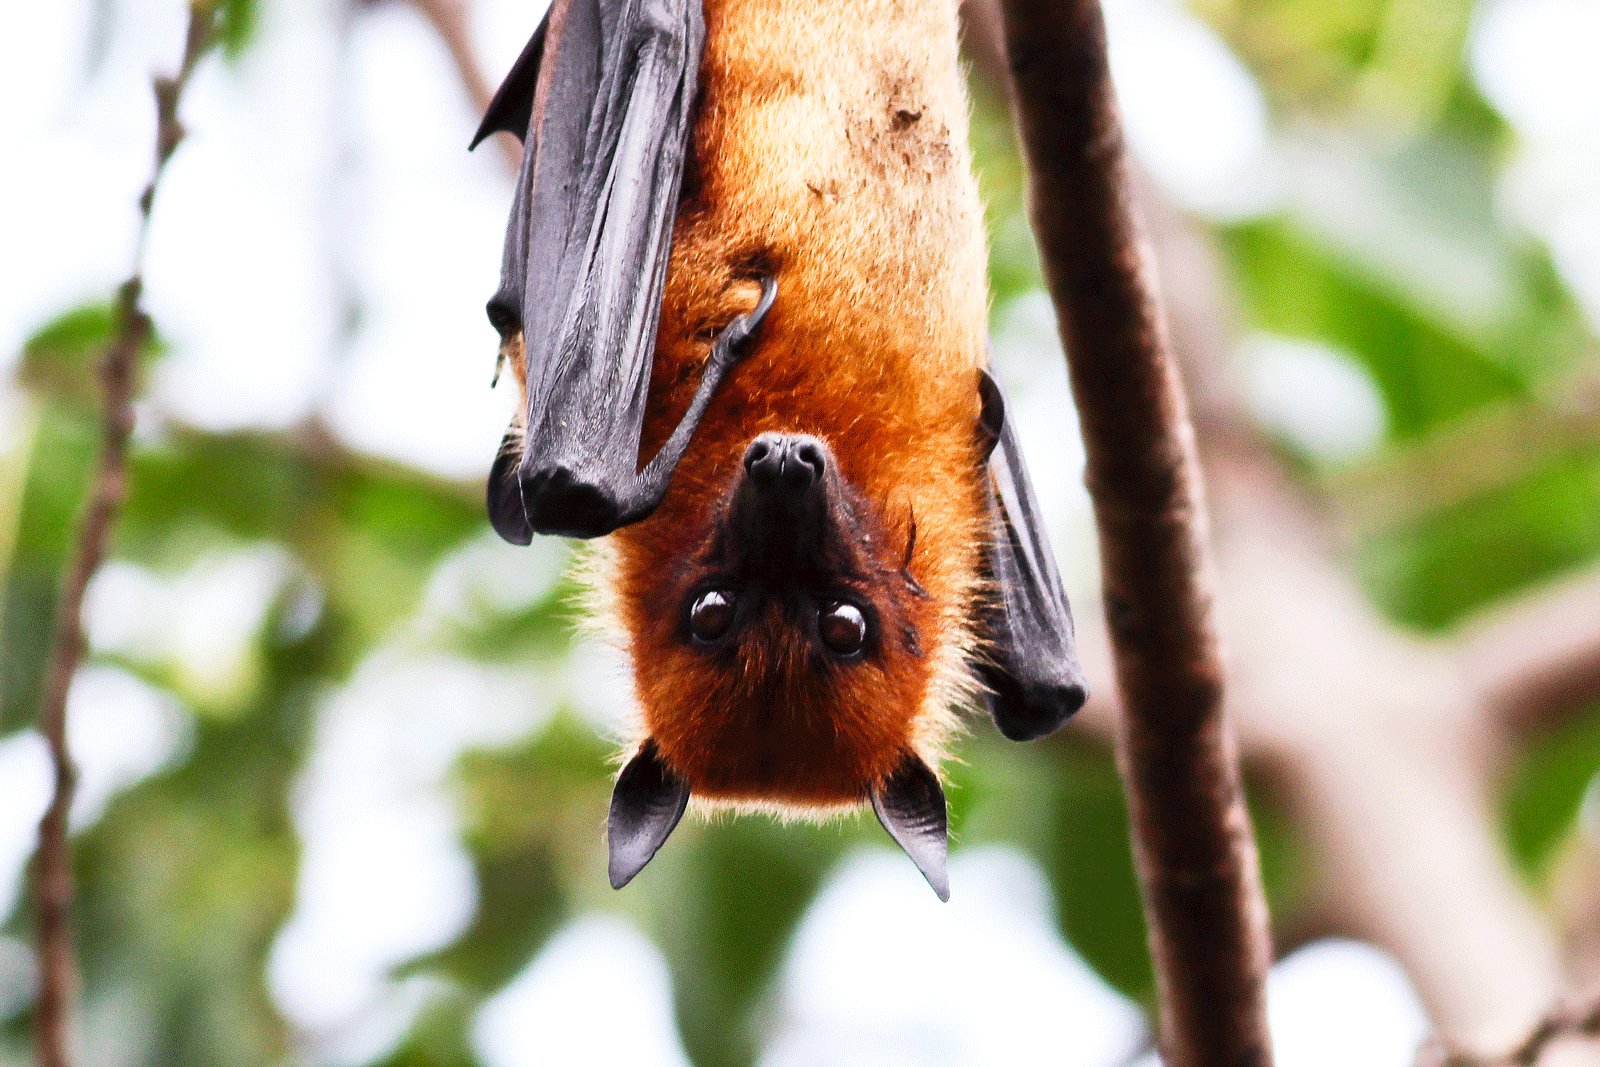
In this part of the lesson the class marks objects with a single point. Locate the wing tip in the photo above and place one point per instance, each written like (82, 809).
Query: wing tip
(1027, 708)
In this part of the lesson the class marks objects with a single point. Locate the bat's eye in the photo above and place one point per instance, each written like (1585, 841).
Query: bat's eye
(843, 628)
(711, 615)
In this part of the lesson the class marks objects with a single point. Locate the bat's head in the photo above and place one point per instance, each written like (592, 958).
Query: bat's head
(795, 666)
(789, 660)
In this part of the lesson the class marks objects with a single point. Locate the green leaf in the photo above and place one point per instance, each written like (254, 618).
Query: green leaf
(723, 900)
(60, 360)
(60, 457)
(1425, 371)
(532, 815)
(1467, 555)
(1062, 804)
(237, 23)
(1542, 801)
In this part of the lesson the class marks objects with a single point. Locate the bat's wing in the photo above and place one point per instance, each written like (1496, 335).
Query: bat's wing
(603, 98)
(512, 107)
(1032, 670)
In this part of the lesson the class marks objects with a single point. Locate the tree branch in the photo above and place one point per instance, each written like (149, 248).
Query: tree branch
(1535, 662)
(1192, 841)
(58, 978)
(1572, 1021)
(449, 20)
(1383, 744)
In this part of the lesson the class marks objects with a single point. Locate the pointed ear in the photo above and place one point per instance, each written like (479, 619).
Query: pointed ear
(910, 805)
(992, 416)
(645, 808)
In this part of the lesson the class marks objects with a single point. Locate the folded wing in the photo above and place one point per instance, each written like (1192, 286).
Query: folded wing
(1031, 671)
(603, 98)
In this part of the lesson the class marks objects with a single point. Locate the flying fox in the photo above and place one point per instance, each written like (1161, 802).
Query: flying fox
(744, 299)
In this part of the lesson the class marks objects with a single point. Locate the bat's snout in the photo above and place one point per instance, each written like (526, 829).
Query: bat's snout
(788, 463)
(784, 508)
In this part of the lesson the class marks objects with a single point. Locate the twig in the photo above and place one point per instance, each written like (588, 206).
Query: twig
(1193, 845)
(449, 20)
(1581, 1021)
(1535, 660)
(58, 977)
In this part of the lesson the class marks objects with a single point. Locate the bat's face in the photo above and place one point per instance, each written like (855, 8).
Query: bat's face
(786, 659)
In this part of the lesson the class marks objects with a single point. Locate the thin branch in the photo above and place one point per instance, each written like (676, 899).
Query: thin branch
(1193, 845)
(1565, 1023)
(449, 19)
(58, 975)
(1536, 660)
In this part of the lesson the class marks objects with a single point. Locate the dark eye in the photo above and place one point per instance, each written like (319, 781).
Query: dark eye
(711, 615)
(843, 628)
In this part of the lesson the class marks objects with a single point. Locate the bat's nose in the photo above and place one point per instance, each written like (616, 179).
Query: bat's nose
(789, 462)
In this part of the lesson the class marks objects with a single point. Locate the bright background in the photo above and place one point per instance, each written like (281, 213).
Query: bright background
(345, 764)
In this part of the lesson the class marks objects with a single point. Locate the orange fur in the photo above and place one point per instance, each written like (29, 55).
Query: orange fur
(829, 151)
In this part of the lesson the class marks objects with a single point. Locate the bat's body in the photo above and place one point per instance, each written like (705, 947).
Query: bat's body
(843, 171)
(823, 536)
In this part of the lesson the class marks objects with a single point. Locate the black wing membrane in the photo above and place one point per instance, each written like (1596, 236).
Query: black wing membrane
(605, 91)
(1032, 671)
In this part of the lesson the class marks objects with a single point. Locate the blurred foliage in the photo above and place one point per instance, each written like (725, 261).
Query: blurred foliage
(189, 875)
(236, 25)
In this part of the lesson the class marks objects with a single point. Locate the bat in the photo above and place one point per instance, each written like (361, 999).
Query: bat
(743, 295)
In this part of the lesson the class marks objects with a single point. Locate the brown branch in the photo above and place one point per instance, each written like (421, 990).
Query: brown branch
(1192, 840)
(1382, 745)
(58, 975)
(449, 19)
(1535, 662)
(1563, 1024)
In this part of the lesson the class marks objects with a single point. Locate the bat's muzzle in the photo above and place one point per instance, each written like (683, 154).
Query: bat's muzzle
(786, 464)
(782, 513)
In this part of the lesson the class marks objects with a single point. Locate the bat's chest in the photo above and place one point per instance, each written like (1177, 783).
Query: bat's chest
(836, 164)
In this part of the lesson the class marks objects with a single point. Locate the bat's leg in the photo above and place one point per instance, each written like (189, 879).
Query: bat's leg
(726, 351)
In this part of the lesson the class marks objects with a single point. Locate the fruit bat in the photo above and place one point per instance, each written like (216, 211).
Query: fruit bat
(743, 295)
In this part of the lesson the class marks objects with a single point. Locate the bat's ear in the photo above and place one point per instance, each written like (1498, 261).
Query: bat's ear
(992, 418)
(504, 494)
(910, 805)
(645, 808)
